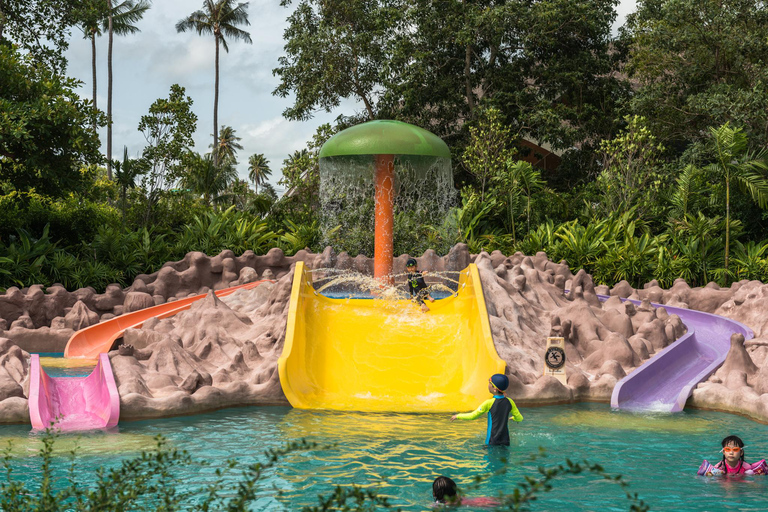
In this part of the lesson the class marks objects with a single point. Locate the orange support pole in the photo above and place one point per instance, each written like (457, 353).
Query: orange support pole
(383, 247)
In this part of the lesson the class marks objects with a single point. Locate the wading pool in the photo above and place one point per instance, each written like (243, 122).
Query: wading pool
(400, 454)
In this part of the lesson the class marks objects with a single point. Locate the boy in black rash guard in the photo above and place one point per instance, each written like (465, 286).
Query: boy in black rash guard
(498, 408)
(416, 285)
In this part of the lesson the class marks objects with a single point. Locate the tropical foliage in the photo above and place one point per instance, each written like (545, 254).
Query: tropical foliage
(219, 18)
(658, 134)
(734, 162)
(699, 65)
(46, 132)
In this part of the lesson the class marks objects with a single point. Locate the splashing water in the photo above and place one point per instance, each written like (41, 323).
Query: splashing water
(423, 195)
(356, 284)
(352, 284)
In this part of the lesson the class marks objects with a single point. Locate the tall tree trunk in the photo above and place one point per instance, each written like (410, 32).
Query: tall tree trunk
(727, 222)
(216, 109)
(368, 106)
(528, 212)
(93, 72)
(468, 79)
(109, 94)
(512, 219)
(468, 71)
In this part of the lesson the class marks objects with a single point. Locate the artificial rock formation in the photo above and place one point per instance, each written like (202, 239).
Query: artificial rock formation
(14, 383)
(38, 307)
(223, 352)
(737, 386)
(526, 302)
(741, 383)
(219, 353)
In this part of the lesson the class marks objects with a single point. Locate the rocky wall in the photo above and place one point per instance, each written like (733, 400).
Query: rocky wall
(223, 352)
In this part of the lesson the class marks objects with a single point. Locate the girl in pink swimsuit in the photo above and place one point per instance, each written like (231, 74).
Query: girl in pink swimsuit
(444, 491)
(733, 461)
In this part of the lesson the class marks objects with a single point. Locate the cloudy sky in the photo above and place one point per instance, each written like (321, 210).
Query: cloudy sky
(146, 64)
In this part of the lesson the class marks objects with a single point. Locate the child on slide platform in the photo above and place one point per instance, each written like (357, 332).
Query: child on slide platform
(733, 461)
(416, 285)
(498, 409)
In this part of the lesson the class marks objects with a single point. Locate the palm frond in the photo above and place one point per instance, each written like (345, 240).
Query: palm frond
(755, 184)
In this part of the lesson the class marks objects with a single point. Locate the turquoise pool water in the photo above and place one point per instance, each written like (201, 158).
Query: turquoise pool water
(400, 454)
(63, 371)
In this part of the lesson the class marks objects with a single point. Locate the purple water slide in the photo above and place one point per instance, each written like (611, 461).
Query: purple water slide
(664, 382)
(73, 403)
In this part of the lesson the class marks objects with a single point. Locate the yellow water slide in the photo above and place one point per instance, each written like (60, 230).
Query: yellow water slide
(384, 355)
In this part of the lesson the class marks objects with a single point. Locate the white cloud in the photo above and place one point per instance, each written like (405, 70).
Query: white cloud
(181, 59)
(624, 8)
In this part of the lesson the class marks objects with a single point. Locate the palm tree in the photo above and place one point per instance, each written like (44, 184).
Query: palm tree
(110, 31)
(228, 144)
(258, 170)
(528, 178)
(296, 172)
(119, 20)
(95, 18)
(220, 19)
(126, 173)
(734, 161)
(685, 190)
(203, 176)
(520, 180)
(238, 194)
(90, 16)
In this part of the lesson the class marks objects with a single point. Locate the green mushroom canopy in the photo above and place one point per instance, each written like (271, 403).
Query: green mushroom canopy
(422, 185)
(385, 138)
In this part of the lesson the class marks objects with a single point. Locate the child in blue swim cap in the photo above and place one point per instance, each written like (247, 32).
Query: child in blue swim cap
(498, 408)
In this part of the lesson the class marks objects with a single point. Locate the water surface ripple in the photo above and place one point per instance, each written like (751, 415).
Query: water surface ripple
(400, 454)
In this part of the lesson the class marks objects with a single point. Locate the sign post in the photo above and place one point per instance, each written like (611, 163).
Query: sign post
(554, 359)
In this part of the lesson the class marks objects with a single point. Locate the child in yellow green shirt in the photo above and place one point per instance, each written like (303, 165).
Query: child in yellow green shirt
(498, 408)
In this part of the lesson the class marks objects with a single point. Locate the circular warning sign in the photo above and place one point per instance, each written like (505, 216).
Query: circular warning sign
(554, 358)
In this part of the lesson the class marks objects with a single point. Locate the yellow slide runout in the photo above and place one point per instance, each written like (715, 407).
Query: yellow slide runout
(383, 355)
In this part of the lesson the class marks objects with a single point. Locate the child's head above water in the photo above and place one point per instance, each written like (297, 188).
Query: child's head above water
(498, 383)
(733, 450)
(410, 265)
(443, 489)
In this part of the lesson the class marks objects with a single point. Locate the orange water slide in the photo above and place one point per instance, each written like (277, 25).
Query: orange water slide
(99, 338)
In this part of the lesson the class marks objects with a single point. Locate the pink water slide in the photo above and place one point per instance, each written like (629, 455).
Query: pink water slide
(73, 403)
(92, 402)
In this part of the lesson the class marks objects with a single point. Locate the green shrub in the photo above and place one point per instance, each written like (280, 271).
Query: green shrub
(215, 231)
(70, 219)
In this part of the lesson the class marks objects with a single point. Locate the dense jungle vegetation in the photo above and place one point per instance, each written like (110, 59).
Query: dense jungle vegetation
(661, 132)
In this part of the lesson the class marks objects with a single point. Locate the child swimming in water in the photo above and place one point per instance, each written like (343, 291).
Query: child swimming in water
(445, 491)
(498, 408)
(733, 461)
